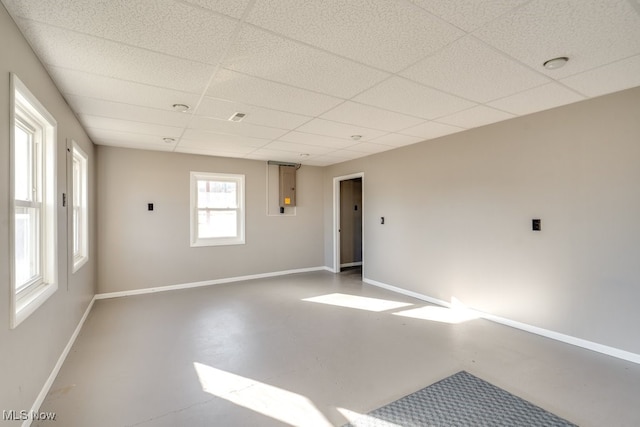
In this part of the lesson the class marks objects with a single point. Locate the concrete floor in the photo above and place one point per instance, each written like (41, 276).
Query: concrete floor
(255, 354)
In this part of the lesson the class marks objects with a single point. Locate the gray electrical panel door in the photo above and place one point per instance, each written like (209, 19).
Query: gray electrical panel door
(287, 186)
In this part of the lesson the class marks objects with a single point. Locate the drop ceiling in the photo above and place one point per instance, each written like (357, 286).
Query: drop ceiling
(309, 75)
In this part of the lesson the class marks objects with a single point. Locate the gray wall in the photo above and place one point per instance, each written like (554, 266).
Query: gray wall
(458, 213)
(29, 353)
(142, 249)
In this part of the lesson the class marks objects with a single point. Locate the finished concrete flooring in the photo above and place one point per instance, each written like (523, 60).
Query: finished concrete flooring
(255, 353)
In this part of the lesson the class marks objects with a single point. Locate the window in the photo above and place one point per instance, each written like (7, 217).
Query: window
(217, 209)
(33, 220)
(79, 204)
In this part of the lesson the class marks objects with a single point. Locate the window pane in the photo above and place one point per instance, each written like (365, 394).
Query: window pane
(23, 164)
(27, 249)
(76, 231)
(217, 194)
(212, 224)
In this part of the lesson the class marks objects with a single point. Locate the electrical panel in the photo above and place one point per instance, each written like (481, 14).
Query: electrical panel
(287, 186)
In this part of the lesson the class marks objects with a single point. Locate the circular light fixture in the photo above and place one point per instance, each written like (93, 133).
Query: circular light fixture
(180, 107)
(356, 137)
(304, 155)
(169, 140)
(555, 63)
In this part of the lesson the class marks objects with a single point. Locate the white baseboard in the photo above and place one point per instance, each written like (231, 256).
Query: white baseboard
(54, 373)
(206, 283)
(351, 264)
(579, 342)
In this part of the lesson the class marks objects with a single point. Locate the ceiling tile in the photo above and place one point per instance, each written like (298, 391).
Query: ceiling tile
(209, 152)
(590, 32)
(407, 97)
(158, 25)
(234, 8)
(475, 117)
(386, 34)
(370, 147)
(109, 89)
(620, 75)
(339, 130)
(238, 87)
(468, 14)
(321, 140)
(235, 128)
(277, 155)
(347, 154)
(105, 123)
(540, 98)
(262, 54)
(127, 139)
(197, 135)
(430, 130)
(221, 109)
(397, 140)
(118, 110)
(472, 70)
(77, 51)
(217, 146)
(370, 117)
(298, 148)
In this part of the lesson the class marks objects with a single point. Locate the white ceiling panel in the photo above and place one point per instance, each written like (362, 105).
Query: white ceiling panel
(199, 135)
(620, 75)
(430, 130)
(263, 54)
(371, 117)
(475, 117)
(468, 14)
(106, 123)
(118, 110)
(252, 90)
(407, 97)
(221, 109)
(114, 90)
(590, 33)
(540, 98)
(397, 140)
(235, 128)
(481, 73)
(158, 25)
(68, 49)
(386, 34)
(339, 130)
(313, 139)
(310, 74)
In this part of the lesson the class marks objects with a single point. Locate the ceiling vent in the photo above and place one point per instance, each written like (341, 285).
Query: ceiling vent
(237, 117)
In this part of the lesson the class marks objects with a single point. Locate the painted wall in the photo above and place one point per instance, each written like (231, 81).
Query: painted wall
(458, 213)
(142, 249)
(29, 352)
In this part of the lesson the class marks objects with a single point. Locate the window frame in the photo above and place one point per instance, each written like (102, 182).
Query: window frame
(239, 238)
(25, 109)
(79, 206)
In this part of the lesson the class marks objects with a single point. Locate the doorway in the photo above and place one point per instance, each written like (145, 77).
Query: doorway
(348, 222)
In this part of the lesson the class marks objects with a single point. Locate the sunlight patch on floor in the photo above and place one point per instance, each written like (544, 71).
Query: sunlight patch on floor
(282, 405)
(357, 419)
(452, 315)
(361, 303)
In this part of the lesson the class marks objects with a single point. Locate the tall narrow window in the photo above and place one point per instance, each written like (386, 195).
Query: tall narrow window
(80, 212)
(33, 223)
(217, 209)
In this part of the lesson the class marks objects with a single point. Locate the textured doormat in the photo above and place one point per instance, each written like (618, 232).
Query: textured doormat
(460, 400)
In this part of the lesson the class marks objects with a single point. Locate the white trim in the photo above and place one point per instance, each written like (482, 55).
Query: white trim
(206, 283)
(351, 264)
(56, 369)
(568, 339)
(336, 217)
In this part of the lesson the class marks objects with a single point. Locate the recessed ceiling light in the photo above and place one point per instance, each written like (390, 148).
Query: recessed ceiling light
(356, 137)
(555, 63)
(237, 117)
(169, 140)
(304, 155)
(180, 107)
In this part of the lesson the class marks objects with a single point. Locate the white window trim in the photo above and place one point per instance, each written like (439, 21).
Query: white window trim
(83, 256)
(193, 211)
(22, 306)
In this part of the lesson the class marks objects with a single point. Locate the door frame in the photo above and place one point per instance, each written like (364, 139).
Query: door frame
(336, 218)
